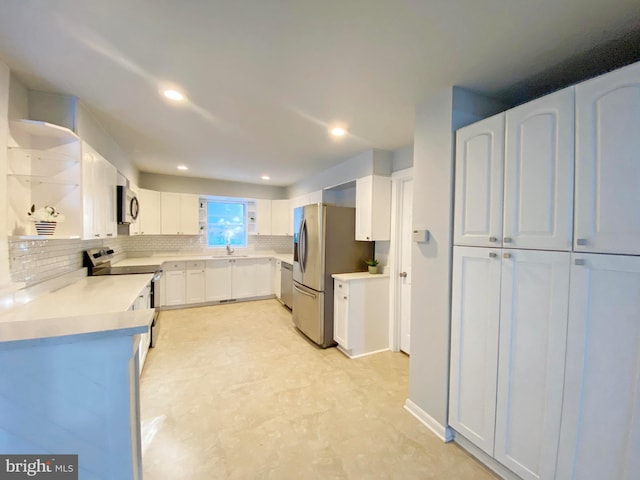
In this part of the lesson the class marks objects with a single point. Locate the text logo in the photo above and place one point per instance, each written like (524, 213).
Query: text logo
(50, 467)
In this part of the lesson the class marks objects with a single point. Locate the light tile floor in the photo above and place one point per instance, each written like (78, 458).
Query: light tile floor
(235, 392)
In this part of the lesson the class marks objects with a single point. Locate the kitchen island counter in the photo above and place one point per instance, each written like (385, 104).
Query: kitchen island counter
(91, 305)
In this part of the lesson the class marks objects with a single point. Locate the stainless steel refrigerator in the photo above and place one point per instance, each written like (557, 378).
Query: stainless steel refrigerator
(324, 244)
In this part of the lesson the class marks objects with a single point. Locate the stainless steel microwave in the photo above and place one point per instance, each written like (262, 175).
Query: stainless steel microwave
(128, 206)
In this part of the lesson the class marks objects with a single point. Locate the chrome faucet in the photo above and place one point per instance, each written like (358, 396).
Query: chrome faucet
(229, 249)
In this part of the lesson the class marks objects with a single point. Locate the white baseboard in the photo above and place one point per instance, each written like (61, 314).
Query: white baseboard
(490, 462)
(362, 354)
(442, 432)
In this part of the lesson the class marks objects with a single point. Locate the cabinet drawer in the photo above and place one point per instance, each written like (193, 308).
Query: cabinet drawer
(218, 263)
(195, 265)
(170, 266)
(341, 287)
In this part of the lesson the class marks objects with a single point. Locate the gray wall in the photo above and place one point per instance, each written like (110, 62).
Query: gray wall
(360, 165)
(402, 158)
(433, 169)
(204, 186)
(68, 111)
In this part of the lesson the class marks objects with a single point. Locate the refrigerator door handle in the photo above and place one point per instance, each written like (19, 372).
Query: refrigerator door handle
(303, 246)
(304, 293)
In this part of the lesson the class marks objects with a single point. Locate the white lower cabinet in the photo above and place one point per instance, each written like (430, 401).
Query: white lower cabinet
(218, 280)
(195, 282)
(143, 301)
(174, 288)
(533, 332)
(237, 278)
(277, 278)
(509, 317)
(475, 315)
(361, 313)
(600, 434)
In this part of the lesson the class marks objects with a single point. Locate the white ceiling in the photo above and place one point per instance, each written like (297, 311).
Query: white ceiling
(266, 78)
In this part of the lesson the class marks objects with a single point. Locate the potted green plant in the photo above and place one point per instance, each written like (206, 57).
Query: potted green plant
(373, 265)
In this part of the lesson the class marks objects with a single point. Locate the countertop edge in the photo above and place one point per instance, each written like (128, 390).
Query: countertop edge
(73, 329)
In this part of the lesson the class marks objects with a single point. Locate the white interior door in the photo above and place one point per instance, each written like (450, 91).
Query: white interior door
(404, 279)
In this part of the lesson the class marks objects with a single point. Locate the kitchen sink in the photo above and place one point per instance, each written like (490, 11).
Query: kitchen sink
(229, 256)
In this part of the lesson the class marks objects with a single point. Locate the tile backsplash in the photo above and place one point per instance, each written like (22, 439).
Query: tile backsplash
(33, 261)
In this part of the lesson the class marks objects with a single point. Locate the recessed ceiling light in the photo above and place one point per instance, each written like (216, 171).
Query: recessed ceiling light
(183, 167)
(338, 131)
(174, 95)
(266, 177)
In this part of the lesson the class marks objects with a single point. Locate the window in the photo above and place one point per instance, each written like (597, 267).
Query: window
(226, 223)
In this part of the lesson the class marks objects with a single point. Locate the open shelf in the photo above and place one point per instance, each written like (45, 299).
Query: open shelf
(43, 180)
(44, 129)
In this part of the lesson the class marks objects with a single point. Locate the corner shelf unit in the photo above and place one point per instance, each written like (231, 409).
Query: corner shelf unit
(44, 168)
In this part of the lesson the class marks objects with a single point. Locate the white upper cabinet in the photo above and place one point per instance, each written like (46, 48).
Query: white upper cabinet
(478, 184)
(600, 434)
(179, 213)
(99, 179)
(475, 320)
(373, 208)
(263, 217)
(608, 163)
(538, 174)
(533, 331)
(281, 217)
(149, 217)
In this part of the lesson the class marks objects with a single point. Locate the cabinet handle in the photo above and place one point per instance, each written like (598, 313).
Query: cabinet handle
(345, 298)
(506, 255)
(507, 240)
(97, 235)
(339, 285)
(403, 274)
(493, 239)
(581, 241)
(493, 254)
(579, 261)
(109, 234)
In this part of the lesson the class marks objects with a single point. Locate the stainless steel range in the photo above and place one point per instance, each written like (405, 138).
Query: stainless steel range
(98, 262)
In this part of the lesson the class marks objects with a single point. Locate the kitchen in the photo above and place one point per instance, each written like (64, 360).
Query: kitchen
(431, 263)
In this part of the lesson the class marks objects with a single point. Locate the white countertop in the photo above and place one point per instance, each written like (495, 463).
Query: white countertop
(90, 305)
(160, 259)
(346, 277)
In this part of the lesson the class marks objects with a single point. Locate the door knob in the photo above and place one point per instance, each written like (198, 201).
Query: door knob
(403, 274)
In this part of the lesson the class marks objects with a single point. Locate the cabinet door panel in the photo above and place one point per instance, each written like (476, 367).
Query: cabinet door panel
(474, 344)
(533, 325)
(195, 285)
(189, 214)
(149, 212)
(243, 278)
(364, 208)
(479, 183)
(538, 173)
(600, 435)
(608, 163)
(218, 280)
(170, 213)
(174, 282)
(341, 315)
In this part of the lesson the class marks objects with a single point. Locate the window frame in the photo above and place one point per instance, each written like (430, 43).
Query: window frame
(245, 223)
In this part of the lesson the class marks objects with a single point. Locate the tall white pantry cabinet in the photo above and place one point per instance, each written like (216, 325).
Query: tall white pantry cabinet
(545, 338)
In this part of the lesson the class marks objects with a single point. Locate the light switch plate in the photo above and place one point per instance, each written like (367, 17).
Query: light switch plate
(421, 236)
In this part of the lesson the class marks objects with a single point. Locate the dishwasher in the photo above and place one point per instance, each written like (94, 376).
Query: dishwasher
(286, 283)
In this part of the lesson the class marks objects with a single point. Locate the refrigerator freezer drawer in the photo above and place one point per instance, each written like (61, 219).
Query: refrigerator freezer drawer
(308, 313)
